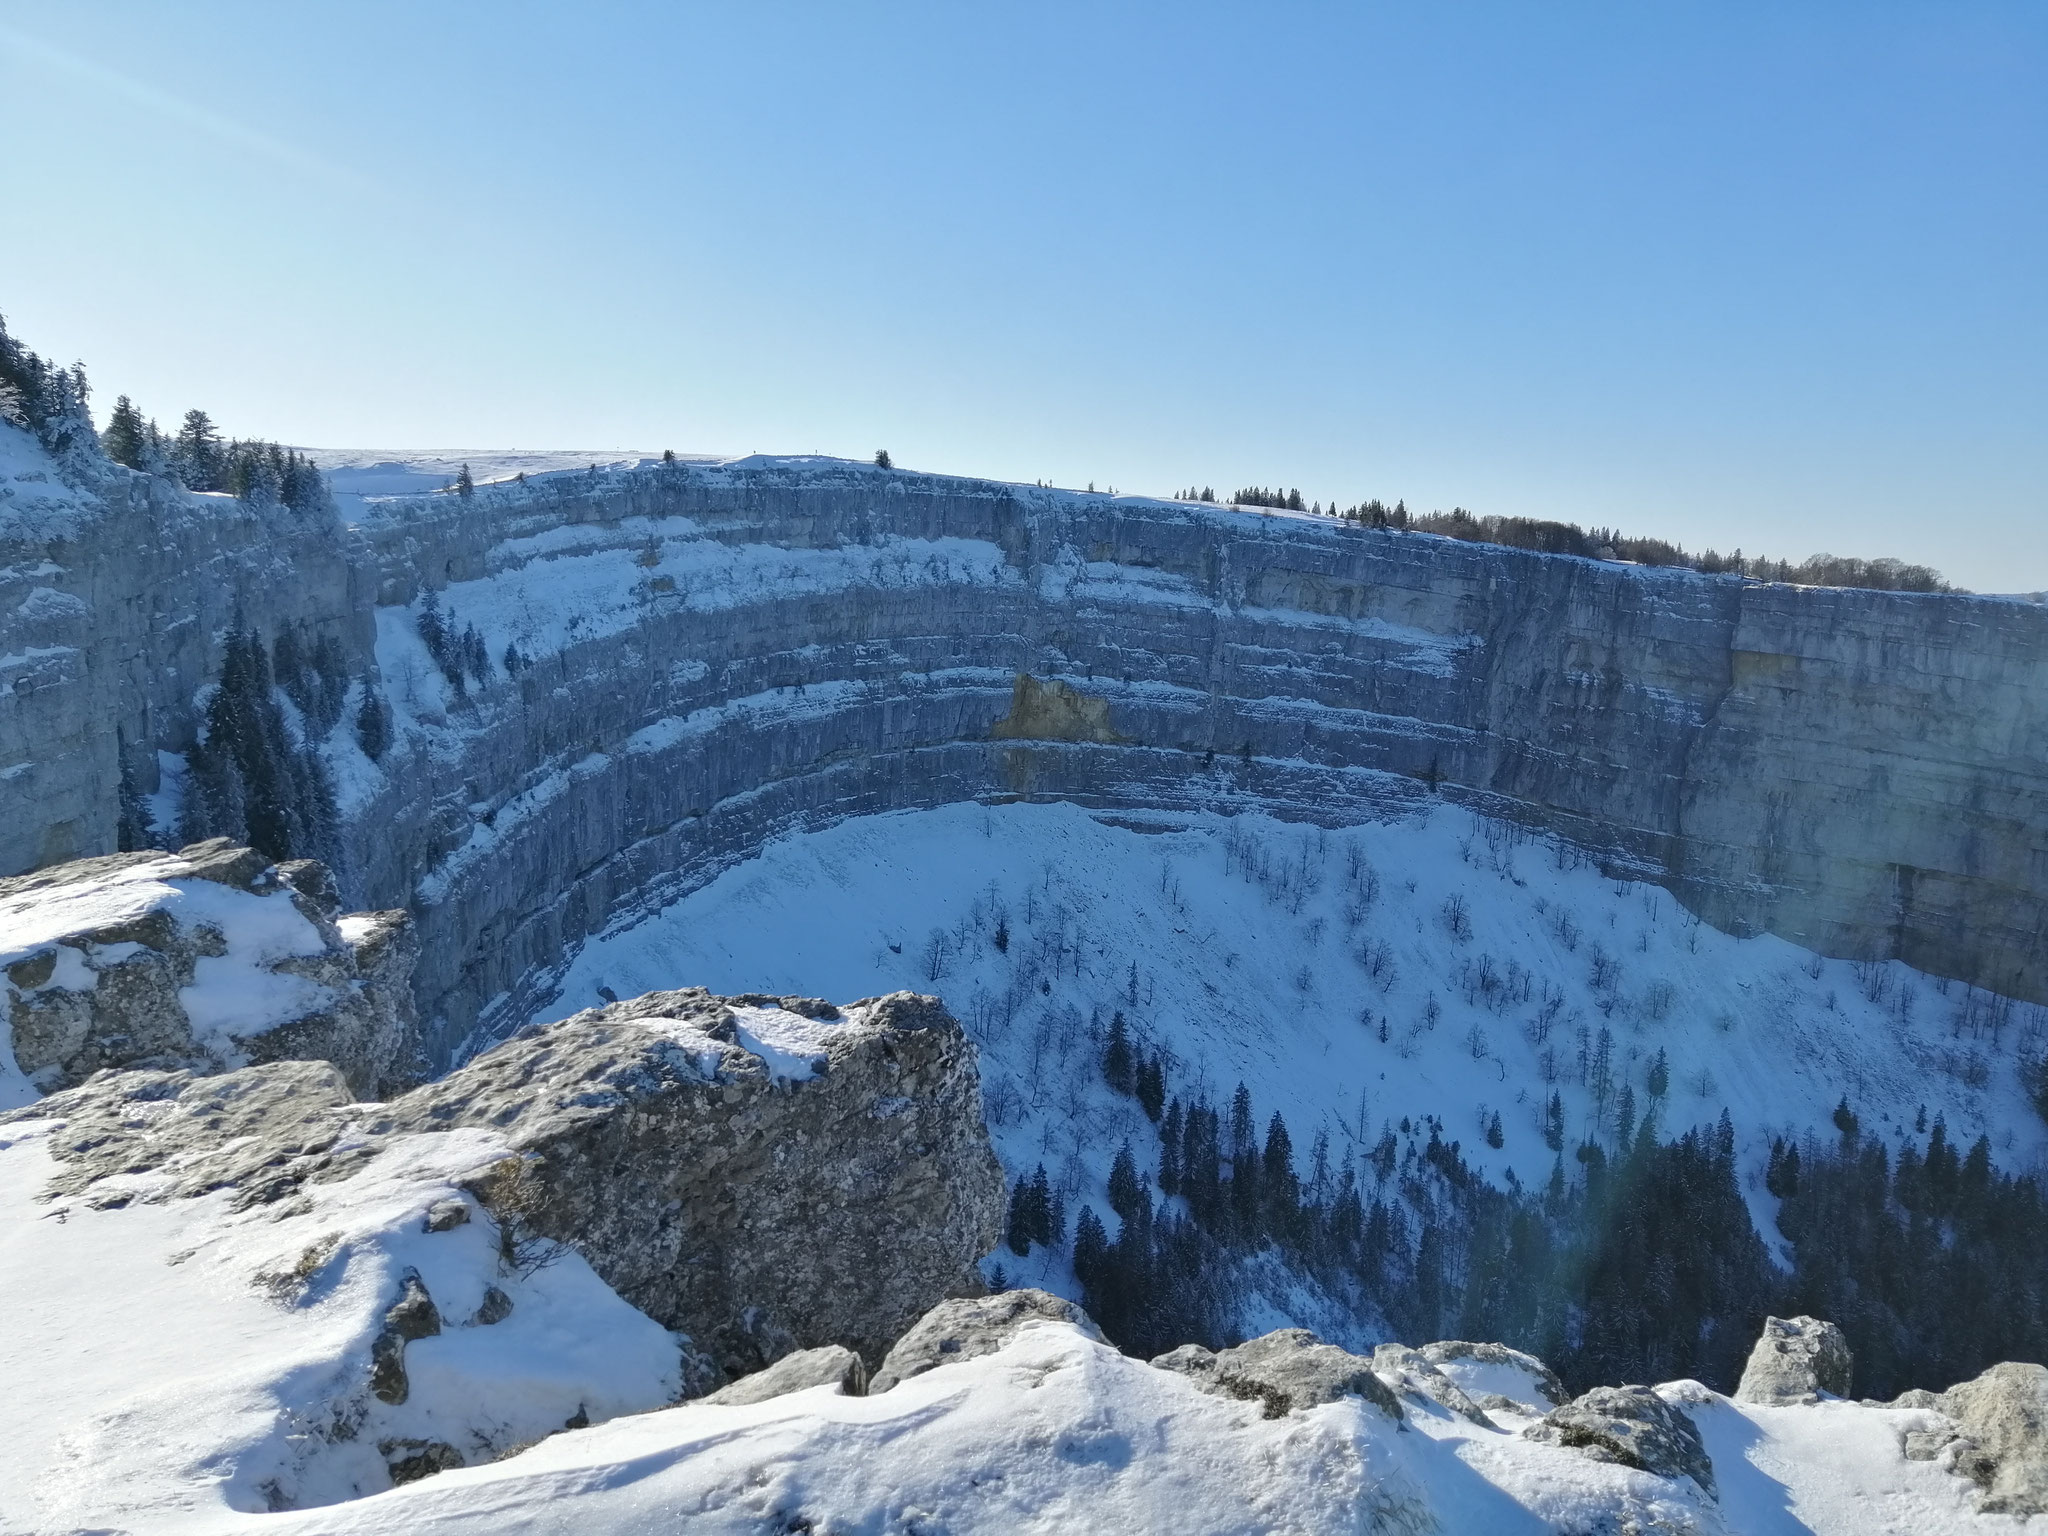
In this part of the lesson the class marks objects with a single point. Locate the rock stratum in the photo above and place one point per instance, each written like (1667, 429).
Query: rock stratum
(712, 654)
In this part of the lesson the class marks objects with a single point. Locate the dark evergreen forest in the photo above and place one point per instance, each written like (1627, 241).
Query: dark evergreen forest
(1636, 1262)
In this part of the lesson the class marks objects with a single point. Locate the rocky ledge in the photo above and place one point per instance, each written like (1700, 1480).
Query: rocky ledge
(760, 1174)
(205, 960)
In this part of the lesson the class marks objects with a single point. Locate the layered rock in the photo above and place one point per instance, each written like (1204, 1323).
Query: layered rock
(714, 654)
(206, 959)
(1631, 1427)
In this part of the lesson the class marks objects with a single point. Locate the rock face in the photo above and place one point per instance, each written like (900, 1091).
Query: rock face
(761, 1179)
(1797, 1360)
(1287, 1369)
(2002, 1421)
(205, 959)
(1411, 1373)
(969, 1327)
(764, 645)
(1633, 1427)
(763, 1174)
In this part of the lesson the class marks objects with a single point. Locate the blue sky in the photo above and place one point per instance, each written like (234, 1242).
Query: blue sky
(1763, 275)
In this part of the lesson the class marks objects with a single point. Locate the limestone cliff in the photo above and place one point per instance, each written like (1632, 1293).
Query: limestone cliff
(711, 654)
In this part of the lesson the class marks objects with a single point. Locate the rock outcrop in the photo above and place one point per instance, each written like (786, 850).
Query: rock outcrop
(1796, 1360)
(1995, 1429)
(206, 959)
(829, 1365)
(1497, 1377)
(764, 645)
(969, 1327)
(763, 1175)
(1632, 1427)
(1285, 1370)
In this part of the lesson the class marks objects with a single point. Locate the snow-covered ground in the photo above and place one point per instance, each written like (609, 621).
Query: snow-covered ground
(1443, 966)
(168, 1363)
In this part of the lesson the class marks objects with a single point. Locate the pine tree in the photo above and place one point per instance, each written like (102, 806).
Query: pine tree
(1660, 1074)
(1126, 1190)
(882, 459)
(1277, 1181)
(373, 723)
(196, 455)
(1170, 1136)
(1116, 1058)
(1091, 1247)
(1495, 1137)
(1151, 1087)
(123, 440)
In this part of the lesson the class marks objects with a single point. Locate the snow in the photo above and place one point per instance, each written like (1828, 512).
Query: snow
(35, 503)
(236, 993)
(1056, 1433)
(1246, 949)
(170, 1363)
(792, 1046)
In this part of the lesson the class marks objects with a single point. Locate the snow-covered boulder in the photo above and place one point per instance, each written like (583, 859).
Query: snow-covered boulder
(1497, 1377)
(1283, 1371)
(206, 959)
(1413, 1375)
(1631, 1427)
(966, 1328)
(829, 1365)
(762, 1174)
(1796, 1360)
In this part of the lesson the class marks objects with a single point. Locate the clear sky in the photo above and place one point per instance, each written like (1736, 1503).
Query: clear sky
(1759, 274)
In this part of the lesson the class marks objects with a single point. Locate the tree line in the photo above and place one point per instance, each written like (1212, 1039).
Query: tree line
(1555, 538)
(55, 404)
(1636, 1261)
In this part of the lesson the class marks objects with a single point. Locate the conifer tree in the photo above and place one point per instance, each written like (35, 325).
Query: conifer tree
(123, 440)
(1151, 1085)
(373, 723)
(1126, 1190)
(1117, 1066)
(464, 485)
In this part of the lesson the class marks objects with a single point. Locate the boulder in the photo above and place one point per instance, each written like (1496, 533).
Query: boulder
(829, 1365)
(1797, 1360)
(2002, 1420)
(759, 1178)
(1412, 1374)
(967, 1327)
(1630, 1426)
(1517, 1382)
(204, 960)
(1287, 1369)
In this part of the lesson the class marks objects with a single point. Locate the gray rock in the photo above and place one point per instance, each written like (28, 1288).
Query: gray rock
(755, 1214)
(111, 992)
(829, 1365)
(1797, 1360)
(935, 683)
(1191, 1360)
(967, 1327)
(1467, 1362)
(410, 1460)
(412, 1316)
(260, 1131)
(447, 1215)
(1290, 1369)
(717, 1197)
(2002, 1420)
(1410, 1373)
(494, 1308)
(1633, 1427)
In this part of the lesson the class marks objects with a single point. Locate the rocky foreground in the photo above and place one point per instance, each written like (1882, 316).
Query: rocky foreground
(717, 1259)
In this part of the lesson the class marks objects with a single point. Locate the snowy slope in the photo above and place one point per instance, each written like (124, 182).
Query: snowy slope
(167, 1363)
(1329, 973)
